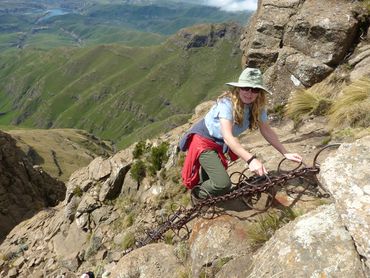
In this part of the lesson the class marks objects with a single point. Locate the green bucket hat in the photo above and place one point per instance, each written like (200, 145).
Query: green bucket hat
(250, 77)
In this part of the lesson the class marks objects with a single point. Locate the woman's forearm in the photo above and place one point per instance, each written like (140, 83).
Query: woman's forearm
(269, 134)
(234, 144)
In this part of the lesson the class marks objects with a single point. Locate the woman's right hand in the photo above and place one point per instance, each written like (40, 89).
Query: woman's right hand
(257, 167)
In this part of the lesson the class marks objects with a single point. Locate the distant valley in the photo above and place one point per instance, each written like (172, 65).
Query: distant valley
(123, 78)
(50, 24)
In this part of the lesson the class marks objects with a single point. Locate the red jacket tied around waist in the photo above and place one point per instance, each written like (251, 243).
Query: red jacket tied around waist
(197, 145)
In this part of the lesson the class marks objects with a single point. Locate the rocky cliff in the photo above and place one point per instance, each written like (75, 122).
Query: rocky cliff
(205, 35)
(104, 213)
(23, 190)
(304, 234)
(299, 43)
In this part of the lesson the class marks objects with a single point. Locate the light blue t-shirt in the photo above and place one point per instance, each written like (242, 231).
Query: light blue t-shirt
(224, 109)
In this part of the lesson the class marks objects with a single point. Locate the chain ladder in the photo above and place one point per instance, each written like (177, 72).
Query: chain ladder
(245, 187)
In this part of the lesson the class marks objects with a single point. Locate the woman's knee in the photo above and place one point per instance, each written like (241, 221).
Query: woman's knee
(222, 184)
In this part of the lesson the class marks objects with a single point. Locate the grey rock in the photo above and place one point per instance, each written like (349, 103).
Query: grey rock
(346, 175)
(155, 260)
(320, 34)
(18, 263)
(12, 273)
(83, 221)
(223, 237)
(71, 263)
(316, 243)
(87, 205)
(239, 267)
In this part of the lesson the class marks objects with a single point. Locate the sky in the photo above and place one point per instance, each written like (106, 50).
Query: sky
(233, 5)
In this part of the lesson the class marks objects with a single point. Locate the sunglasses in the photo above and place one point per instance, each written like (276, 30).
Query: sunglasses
(249, 89)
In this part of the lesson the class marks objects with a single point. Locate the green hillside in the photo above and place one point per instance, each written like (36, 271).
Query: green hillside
(117, 92)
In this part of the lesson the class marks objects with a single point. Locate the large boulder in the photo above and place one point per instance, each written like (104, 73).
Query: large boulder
(346, 175)
(222, 238)
(315, 245)
(155, 260)
(299, 42)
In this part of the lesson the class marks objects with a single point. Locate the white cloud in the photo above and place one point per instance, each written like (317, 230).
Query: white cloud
(233, 5)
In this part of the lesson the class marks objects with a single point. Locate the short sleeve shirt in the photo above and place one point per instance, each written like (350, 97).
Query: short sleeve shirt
(224, 109)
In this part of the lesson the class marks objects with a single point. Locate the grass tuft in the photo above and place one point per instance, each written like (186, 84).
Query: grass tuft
(265, 226)
(182, 251)
(316, 100)
(77, 191)
(128, 240)
(352, 107)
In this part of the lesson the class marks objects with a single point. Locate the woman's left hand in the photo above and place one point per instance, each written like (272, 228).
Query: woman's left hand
(293, 156)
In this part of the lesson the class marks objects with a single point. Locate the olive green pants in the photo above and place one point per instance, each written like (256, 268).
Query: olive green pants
(214, 178)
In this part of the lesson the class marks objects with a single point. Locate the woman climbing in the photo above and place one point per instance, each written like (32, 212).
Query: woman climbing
(207, 142)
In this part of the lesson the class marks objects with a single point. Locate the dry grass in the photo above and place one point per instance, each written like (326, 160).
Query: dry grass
(60, 152)
(352, 108)
(128, 241)
(313, 101)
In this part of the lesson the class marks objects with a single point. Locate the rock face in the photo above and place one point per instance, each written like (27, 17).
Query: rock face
(85, 233)
(58, 241)
(223, 238)
(298, 43)
(89, 187)
(156, 260)
(315, 245)
(360, 61)
(349, 183)
(23, 189)
(205, 35)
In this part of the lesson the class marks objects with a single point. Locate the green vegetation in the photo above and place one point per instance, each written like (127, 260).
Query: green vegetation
(158, 155)
(128, 241)
(24, 25)
(278, 111)
(128, 220)
(168, 237)
(346, 106)
(154, 158)
(9, 256)
(164, 19)
(139, 149)
(184, 274)
(266, 225)
(182, 251)
(77, 191)
(352, 107)
(350, 134)
(116, 92)
(126, 203)
(220, 263)
(138, 171)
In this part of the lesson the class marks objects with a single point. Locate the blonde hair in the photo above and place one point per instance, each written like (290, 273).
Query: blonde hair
(238, 107)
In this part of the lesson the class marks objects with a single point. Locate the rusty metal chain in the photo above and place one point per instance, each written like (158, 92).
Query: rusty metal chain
(245, 187)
